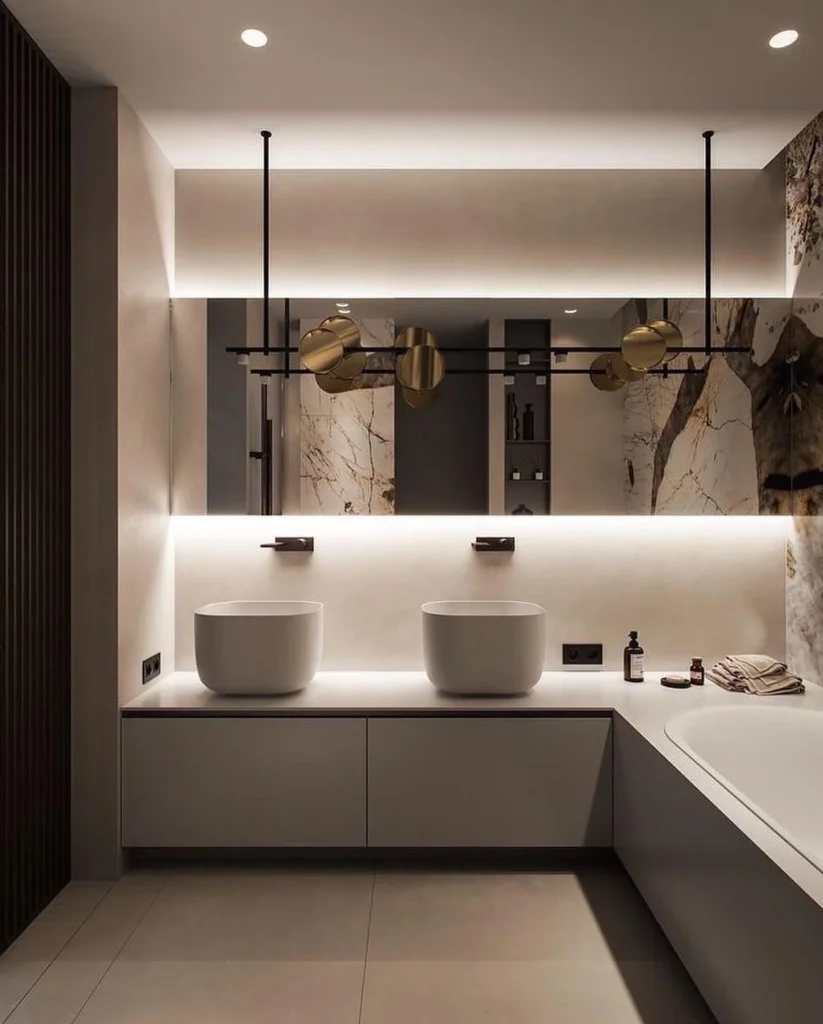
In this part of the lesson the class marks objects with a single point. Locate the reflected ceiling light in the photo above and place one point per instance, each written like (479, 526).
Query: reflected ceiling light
(780, 40)
(341, 305)
(254, 37)
(569, 311)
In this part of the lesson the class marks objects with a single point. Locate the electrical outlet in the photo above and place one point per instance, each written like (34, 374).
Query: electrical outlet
(582, 655)
(151, 668)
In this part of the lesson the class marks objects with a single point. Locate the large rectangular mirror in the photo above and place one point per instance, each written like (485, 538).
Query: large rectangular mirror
(518, 424)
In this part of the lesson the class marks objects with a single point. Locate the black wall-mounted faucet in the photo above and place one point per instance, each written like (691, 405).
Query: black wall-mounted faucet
(291, 544)
(493, 544)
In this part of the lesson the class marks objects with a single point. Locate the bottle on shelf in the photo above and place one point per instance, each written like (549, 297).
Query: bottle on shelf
(633, 660)
(539, 474)
(697, 673)
(516, 473)
(522, 510)
(528, 423)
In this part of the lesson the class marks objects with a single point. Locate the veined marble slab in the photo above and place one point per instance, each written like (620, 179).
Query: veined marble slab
(347, 447)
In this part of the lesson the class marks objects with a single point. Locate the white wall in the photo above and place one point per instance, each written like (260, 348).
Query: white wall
(145, 275)
(692, 586)
(480, 233)
(586, 427)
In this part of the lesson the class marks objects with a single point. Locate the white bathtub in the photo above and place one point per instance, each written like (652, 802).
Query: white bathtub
(770, 758)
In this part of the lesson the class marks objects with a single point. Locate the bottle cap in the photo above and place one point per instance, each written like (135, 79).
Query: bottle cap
(633, 634)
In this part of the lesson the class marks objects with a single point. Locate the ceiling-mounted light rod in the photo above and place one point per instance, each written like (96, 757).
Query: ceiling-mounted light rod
(266, 136)
(709, 320)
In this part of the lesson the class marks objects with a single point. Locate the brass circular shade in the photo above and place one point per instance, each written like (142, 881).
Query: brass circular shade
(346, 330)
(411, 337)
(354, 361)
(332, 384)
(602, 375)
(621, 369)
(420, 399)
(643, 347)
(671, 334)
(422, 368)
(321, 350)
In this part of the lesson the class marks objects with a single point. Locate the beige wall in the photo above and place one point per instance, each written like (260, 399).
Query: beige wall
(122, 563)
(586, 428)
(691, 585)
(145, 261)
(476, 233)
(94, 440)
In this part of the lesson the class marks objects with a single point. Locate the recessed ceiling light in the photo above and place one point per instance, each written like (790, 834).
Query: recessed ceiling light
(782, 39)
(254, 37)
(569, 310)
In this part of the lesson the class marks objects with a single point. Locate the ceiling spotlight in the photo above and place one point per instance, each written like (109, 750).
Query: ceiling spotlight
(780, 40)
(254, 37)
(569, 311)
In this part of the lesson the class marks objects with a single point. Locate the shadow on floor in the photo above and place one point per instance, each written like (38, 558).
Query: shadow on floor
(648, 964)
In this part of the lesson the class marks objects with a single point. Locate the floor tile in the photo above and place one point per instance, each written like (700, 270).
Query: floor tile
(26, 960)
(172, 992)
(275, 915)
(68, 982)
(519, 993)
(504, 916)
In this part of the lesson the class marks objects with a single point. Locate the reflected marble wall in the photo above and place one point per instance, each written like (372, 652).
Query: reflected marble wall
(690, 444)
(347, 441)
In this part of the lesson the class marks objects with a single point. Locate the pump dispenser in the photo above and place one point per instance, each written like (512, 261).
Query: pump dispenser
(633, 660)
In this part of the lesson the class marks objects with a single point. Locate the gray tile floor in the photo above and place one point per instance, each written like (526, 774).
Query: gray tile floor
(339, 946)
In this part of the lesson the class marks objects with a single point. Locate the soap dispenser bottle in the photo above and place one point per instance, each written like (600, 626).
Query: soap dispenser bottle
(633, 659)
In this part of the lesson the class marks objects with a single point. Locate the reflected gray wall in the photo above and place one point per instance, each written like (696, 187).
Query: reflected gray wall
(226, 448)
(441, 453)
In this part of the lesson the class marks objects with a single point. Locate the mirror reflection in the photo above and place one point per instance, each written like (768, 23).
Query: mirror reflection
(472, 406)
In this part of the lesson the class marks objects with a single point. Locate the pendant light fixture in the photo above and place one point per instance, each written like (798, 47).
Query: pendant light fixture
(333, 352)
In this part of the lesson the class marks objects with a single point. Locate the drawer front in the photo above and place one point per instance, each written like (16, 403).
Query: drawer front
(243, 782)
(490, 782)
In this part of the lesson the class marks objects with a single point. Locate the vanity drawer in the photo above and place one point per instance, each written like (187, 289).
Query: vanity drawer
(490, 782)
(243, 782)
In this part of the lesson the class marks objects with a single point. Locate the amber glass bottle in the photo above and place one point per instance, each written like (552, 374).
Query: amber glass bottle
(633, 659)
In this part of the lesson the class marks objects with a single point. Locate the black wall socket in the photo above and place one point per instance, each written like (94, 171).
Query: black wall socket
(151, 668)
(583, 655)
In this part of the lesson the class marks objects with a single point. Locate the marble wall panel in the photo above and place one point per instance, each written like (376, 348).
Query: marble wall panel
(347, 445)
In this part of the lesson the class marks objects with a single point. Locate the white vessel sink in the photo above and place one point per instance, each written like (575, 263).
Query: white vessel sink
(248, 647)
(492, 648)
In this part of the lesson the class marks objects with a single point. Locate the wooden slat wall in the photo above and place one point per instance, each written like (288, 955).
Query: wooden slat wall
(34, 478)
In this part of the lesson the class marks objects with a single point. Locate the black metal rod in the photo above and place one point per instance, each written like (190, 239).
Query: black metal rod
(288, 346)
(265, 452)
(266, 136)
(708, 135)
(576, 350)
(541, 372)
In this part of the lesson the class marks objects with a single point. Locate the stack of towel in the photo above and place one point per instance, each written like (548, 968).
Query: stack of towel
(755, 673)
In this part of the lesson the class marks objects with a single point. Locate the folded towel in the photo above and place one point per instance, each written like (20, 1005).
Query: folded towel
(755, 673)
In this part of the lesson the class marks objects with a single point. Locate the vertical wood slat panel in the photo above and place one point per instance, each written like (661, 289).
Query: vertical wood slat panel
(34, 477)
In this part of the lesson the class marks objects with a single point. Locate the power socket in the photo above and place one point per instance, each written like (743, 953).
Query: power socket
(151, 668)
(583, 655)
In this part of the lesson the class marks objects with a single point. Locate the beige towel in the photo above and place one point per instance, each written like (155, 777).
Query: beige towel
(756, 674)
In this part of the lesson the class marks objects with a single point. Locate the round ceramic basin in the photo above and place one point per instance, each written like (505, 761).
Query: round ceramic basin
(484, 648)
(258, 647)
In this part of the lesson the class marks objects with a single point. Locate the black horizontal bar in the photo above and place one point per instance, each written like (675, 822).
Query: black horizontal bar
(553, 349)
(547, 372)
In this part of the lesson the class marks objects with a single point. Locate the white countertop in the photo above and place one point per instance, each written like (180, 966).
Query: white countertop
(645, 706)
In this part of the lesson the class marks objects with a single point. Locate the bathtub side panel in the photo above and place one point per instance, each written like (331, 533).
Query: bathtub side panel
(750, 939)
